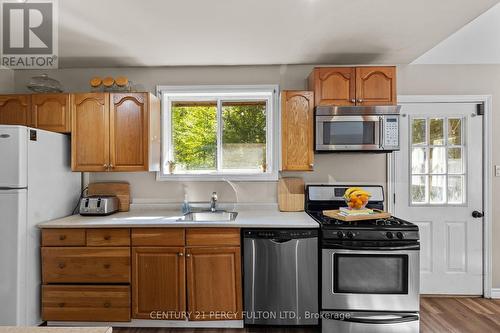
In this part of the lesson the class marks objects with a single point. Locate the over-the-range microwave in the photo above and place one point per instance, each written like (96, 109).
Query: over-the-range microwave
(357, 128)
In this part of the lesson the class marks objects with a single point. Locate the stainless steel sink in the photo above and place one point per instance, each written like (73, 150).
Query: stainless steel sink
(209, 216)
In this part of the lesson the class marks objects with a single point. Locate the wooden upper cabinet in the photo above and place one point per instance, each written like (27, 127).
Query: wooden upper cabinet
(15, 110)
(51, 112)
(297, 122)
(129, 132)
(345, 86)
(158, 282)
(116, 132)
(90, 132)
(376, 85)
(333, 85)
(214, 282)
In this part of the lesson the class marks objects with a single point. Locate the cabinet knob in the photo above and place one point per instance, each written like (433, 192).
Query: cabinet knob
(111, 166)
(311, 165)
(180, 254)
(61, 305)
(188, 255)
(353, 100)
(62, 237)
(107, 304)
(61, 265)
(107, 237)
(105, 166)
(107, 266)
(360, 100)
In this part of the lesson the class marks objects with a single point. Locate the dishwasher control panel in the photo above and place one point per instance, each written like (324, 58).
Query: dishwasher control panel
(281, 234)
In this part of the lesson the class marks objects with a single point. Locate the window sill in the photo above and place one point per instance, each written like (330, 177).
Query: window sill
(268, 177)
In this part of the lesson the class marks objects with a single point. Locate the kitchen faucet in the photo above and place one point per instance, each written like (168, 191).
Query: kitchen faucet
(213, 202)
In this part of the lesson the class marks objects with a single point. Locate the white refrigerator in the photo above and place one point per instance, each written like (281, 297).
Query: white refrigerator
(36, 185)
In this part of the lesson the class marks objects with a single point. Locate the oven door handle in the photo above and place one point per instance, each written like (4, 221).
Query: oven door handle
(372, 248)
(365, 320)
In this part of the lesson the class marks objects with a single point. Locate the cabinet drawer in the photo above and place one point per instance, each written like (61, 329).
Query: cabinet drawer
(212, 236)
(158, 237)
(63, 237)
(86, 265)
(86, 303)
(108, 237)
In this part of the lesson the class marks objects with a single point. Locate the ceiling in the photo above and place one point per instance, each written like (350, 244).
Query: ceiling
(96, 33)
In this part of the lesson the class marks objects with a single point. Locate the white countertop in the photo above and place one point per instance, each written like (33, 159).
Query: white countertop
(150, 216)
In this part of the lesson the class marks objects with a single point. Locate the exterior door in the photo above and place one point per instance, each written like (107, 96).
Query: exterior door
(376, 85)
(51, 112)
(90, 132)
(15, 110)
(158, 282)
(438, 186)
(297, 126)
(129, 132)
(214, 283)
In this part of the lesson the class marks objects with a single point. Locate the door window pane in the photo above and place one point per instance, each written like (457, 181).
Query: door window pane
(456, 189)
(455, 161)
(419, 189)
(455, 131)
(437, 172)
(437, 157)
(418, 132)
(244, 135)
(437, 187)
(436, 131)
(419, 160)
(194, 135)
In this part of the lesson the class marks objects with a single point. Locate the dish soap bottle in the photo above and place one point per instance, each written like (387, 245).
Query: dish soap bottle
(185, 205)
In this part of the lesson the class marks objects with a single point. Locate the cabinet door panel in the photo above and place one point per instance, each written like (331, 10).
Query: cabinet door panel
(90, 132)
(15, 110)
(129, 132)
(333, 85)
(158, 282)
(51, 112)
(297, 130)
(214, 283)
(376, 85)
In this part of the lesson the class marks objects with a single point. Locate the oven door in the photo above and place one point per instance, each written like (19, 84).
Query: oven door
(370, 322)
(371, 280)
(348, 133)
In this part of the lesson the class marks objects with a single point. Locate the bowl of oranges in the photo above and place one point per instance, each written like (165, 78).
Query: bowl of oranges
(356, 198)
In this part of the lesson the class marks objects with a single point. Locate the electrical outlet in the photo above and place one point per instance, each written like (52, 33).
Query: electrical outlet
(497, 170)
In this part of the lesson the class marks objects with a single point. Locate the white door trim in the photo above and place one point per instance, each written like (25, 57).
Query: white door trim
(486, 100)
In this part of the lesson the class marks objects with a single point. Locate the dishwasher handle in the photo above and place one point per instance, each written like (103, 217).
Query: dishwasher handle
(280, 240)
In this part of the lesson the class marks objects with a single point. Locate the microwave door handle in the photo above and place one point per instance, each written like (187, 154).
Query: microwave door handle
(380, 132)
(368, 320)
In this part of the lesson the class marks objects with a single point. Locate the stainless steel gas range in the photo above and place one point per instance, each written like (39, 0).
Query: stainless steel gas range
(369, 269)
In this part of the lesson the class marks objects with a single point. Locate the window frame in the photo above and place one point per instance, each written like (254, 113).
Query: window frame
(219, 93)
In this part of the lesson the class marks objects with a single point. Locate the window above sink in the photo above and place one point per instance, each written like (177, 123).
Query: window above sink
(219, 133)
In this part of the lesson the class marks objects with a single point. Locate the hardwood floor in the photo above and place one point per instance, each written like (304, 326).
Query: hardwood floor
(438, 315)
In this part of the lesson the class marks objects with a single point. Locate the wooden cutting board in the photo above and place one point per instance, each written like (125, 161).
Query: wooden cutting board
(377, 214)
(291, 194)
(118, 189)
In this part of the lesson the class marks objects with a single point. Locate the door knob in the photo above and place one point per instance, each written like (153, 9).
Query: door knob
(476, 214)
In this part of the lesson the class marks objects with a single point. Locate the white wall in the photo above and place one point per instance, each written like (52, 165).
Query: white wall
(6, 80)
(476, 43)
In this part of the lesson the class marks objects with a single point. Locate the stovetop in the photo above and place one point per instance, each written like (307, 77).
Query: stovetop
(391, 223)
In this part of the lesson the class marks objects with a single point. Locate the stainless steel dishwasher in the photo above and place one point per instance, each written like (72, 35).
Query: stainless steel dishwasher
(281, 276)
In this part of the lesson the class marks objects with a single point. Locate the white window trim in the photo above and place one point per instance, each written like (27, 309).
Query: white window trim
(268, 92)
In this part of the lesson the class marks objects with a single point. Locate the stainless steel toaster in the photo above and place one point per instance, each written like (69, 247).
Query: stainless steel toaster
(98, 205)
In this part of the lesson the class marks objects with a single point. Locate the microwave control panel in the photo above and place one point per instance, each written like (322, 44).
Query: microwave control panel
(391, 133)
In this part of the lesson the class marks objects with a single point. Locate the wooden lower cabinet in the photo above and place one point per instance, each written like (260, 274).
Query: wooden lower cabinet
(85, 303)
(214, 283)
(158, 283)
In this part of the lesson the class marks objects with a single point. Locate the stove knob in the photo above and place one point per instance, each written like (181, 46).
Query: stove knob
(400, 235)
(350, 235)
(340, 234)
(389, 235)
